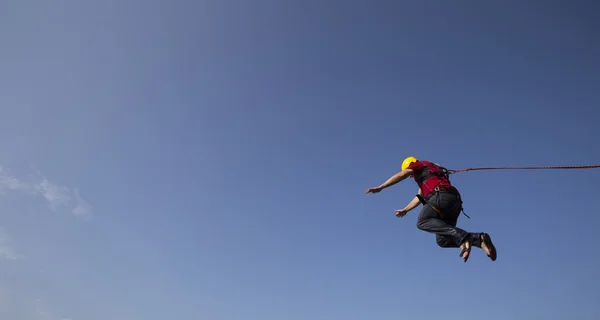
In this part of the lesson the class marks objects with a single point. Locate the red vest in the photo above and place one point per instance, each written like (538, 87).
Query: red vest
(429, 175)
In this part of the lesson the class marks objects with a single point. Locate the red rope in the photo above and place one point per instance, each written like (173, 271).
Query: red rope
(526, 168)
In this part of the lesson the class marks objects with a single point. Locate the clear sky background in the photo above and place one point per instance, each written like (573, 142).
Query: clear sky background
(208, 159)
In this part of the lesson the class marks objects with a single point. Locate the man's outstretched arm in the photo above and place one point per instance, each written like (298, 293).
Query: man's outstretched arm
(413, 204)
(391, 181)
(415, 201)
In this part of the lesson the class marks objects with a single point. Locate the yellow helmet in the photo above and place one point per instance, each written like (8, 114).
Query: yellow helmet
(407, 162)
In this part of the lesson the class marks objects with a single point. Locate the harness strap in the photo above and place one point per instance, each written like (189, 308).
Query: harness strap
(463, 211)
(421, 199)
(427, 173)
(441, 172)
(439, 190)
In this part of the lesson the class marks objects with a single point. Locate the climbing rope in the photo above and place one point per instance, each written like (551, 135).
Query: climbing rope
(525, 168)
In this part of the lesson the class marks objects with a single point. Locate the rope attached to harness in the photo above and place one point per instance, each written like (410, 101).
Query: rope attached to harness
(449, 172)
(525, 168)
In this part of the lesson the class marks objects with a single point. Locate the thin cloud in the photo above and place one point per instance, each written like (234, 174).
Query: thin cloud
(6, 250)
(82, 209)
(56, 196)
(8, 182)
(43, 312)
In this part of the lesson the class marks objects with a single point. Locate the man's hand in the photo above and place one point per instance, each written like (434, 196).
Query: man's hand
(374, 190)
(401, 212)
(413, 204)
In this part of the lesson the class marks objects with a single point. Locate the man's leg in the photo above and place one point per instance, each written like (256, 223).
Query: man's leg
(444, 241)
(450, 207)
(443, 223)
(447, 234)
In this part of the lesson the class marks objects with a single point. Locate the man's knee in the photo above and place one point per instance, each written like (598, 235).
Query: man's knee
(425, 217)
(422, 223)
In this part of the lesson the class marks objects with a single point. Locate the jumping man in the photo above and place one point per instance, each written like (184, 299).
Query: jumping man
(442, 205)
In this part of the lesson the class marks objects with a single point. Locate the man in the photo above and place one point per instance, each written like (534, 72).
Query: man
(442, 205)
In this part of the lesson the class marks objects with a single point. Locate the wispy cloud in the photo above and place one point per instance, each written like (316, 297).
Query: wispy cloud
(42, 312)
(8, 182)
(82, 209)
(6, 250)
(54, 194)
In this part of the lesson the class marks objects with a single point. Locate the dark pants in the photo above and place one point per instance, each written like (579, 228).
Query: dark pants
(443, 223)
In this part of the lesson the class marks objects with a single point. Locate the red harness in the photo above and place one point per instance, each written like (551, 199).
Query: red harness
(432, 170)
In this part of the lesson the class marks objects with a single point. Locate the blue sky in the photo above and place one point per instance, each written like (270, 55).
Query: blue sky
(208, 159)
